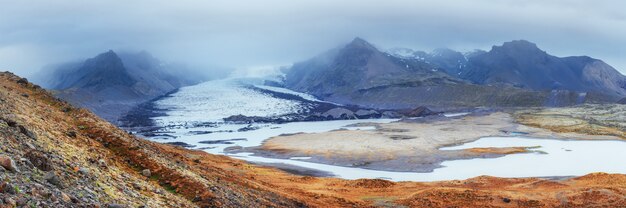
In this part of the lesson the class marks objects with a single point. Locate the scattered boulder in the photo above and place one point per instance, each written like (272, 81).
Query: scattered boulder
(83, 170)
(21, 201)
(65, 197)
(250, 127)
(26, 132)
(146, 173)
(420, 112)
(7, 187)
(52, 178)
(71, 134)
(10, 202)
(39, 160)
(22, 81)
(7, 163)
(27, 162)
(66, 109)
(366, 114)
(390, 114)
(102, 163)
(339, 113)
(136, 186)
(10, 122)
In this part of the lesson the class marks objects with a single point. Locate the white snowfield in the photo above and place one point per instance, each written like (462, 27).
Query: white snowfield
(214, 100)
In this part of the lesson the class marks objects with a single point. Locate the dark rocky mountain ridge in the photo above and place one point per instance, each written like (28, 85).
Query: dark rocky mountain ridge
(360, 66)
(450, 61)
(514, 74)
(523, 64)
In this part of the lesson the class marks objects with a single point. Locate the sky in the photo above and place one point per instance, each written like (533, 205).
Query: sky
(246, 34)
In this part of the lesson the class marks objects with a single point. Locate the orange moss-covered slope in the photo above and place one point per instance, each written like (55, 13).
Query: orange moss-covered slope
(86, 152)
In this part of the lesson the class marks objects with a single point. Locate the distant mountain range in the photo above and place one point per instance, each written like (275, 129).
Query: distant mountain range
(110, 84)
(517, 73)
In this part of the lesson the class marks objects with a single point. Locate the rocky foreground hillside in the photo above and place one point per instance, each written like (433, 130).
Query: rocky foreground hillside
(55, 155)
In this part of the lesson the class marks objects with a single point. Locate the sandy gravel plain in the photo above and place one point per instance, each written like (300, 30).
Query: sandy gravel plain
(413, 144)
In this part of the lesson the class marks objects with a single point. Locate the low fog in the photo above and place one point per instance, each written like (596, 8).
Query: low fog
(229, 34)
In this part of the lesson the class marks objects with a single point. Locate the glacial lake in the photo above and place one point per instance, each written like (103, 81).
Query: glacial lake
(552, 157)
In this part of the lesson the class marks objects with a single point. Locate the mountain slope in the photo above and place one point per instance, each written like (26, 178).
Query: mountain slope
(522, 64)
(450, 61)
(111, 84)
(357, 65)
(360, 74)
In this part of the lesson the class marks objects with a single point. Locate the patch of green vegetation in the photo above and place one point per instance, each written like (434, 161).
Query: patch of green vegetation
(81, 127)
(169, 188)
(17, 189)
(155, 177)
(108, 190)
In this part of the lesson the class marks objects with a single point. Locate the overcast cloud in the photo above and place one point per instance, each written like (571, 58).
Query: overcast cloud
(34, 33)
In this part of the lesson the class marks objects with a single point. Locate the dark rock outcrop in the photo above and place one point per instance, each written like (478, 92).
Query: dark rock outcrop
(339, 113)
(420, 112)
(364, 114)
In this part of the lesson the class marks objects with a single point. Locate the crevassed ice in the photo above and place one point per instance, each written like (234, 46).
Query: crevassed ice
(214, 100)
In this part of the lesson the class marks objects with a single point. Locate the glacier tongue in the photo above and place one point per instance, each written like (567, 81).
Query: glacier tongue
(214, 100)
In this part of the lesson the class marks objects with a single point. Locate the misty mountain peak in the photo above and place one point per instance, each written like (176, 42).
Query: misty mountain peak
(107, 60)
(446, 52)
(109, 54)
(360, 43)
(518, 46)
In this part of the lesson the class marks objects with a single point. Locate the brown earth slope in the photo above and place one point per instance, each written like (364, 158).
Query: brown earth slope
(55, 155)
(608, 120)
